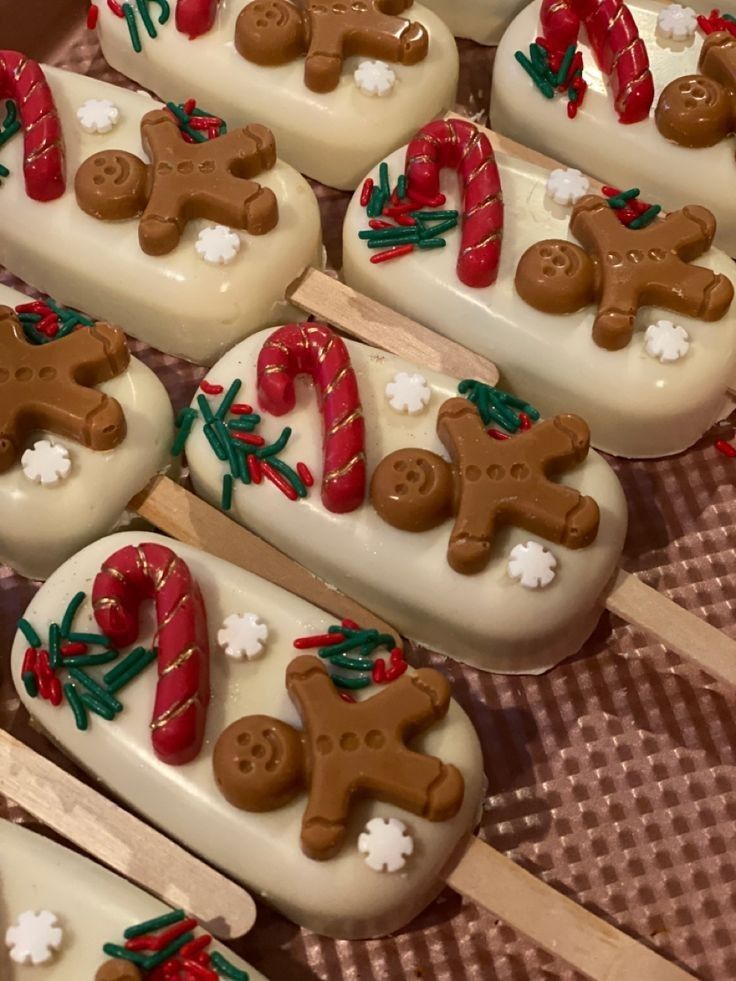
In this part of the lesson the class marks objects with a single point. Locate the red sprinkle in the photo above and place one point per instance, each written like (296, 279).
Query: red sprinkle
(396, 670)
(189, 106)
(196, 945)
(350, 624)
(378, 673)
(92, 14)
(726, 448)
(205, 122)
(318, 640)
(195, 971)
(73, 649)
(399, 209)
(365, 194)
(610, 192)
(55, 691)
(29, 660)
(305, 473)
(543, 43)
(44, 685)
(44, 665)
(241, 409)
(525, 421)
(397, 655)
(377, 223)
(116, 8)
(395, 253)
(497, 434)
(572, 110)
(405, 220)
(254, 468)
(49, 325)
(278, 480)
(209, 389)
(346, 696)
(253, 439)
(34, 307)
(159, 941)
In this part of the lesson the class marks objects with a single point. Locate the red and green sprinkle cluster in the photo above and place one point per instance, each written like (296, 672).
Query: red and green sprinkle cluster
(230, 431)
(716, 21)
(45, 320)
(10, 126)
(72, 652)
(166, 949)
(197, 125)
(350, 648)
(630, 211)
(554, 70)
(494, 405)
(409, 226)
(131, 13)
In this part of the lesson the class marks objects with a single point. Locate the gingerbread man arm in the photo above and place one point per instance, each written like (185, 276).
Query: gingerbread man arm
(97, 354)
(413, 701)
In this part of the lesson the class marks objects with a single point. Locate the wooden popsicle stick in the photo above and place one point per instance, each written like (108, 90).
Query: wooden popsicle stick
(554, 922)
(678, 629)
(371, 322)
(123, 842)
(185, 517)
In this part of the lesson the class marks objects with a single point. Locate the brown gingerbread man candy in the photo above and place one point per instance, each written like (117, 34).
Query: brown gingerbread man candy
(622, 269)
(184, 181)
(275, 32)
(488, 483)
(118, 969)
(346, 751)
(700, 110)
(51, 387)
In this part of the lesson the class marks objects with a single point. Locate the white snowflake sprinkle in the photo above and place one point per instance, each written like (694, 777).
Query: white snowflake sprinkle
(218, 244)
(666, 341)
(374, 78)
(46, 463)
(34, 937)
(532, 565)
(566, 185)
(98, 115)
(242, 635)
(677, 22)
(386, 844)
(408, 393)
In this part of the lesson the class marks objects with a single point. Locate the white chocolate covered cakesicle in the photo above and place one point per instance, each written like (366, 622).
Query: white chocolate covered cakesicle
(634, 155)
(90, 907)
(476, 19)
(363, 99)
(71, 458)
(204, 282)
(223, 657)
(487, 619)
(651, 397)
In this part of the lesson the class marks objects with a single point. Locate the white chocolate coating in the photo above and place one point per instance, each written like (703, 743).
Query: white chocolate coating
(340, 897)
(634, 405)
(177, 303)
(92, 904)
(483, 21)
(487, 620)
(42, 526)
(333, 137)
(635, 155)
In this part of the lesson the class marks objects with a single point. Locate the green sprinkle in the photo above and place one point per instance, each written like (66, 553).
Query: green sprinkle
(135, 39)
(76, 704)
(29, 633)
(396, 239)
(228, 399)
(96, 689)
(146, 18)
(384, 181)
(434, 230)
(215, 443)
(375, 203)
(153, 960)
(165, 11)
(30, 683)
(401, 187)
(431, 243)
(158, 923)
(246, 423)
(71, 611)
(619, 200)
(565, 66)
(178, 111)
(350, 643)
(351, 683)
(226, 969)
(11, 113)
(276, 447)
(54, 652)
(122, 666)
(205, 408)
(100, 639)
(226, 501)
(243, 471)
(185, 428)
(9, 132)
(4, 172)
(352, 663)
(646, 218)
(98, 707)
(433, 215)
(384, 234)
(122, 953)
(291, 475)
(133, 671)
(89, 660)
(541, 83)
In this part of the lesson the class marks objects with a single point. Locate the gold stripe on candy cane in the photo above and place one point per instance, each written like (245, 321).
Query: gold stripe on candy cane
(430, 138)
(41, 119)
(32, 157)
(279, 346)
(496, 198)
(174, 712)
(557, 7)
(142, 562)
(470, 146)
(176, 608)
(492, 237)
(106, 603)
(419, 158)
(109, 570)
(351, 417)
(271, 369)
(32, 89)
(487, 162)
(340, 376)
(454, 138)
(341, 471)
(623, 51)
(162, 577)
(629, 87)
(19, 69)
(323, 353)
(614, 19)
(179, 660)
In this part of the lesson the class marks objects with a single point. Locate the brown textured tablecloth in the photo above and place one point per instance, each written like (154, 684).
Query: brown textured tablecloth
(613, 777)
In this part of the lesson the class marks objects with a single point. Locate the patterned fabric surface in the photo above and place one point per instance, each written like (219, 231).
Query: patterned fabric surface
(612, 778)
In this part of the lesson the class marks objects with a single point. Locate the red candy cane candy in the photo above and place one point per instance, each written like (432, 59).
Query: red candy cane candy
(314, 349)
(459, 144)
(195, 17)
(150, 571)
(560, 24)
(23, 81)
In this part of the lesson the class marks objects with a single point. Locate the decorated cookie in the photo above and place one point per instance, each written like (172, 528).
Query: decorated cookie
(655, 407)
(50, 932)
(434, 783)
(479, 614)
(656, 56)
(292, 66)
(77, 414)
(142, 198)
